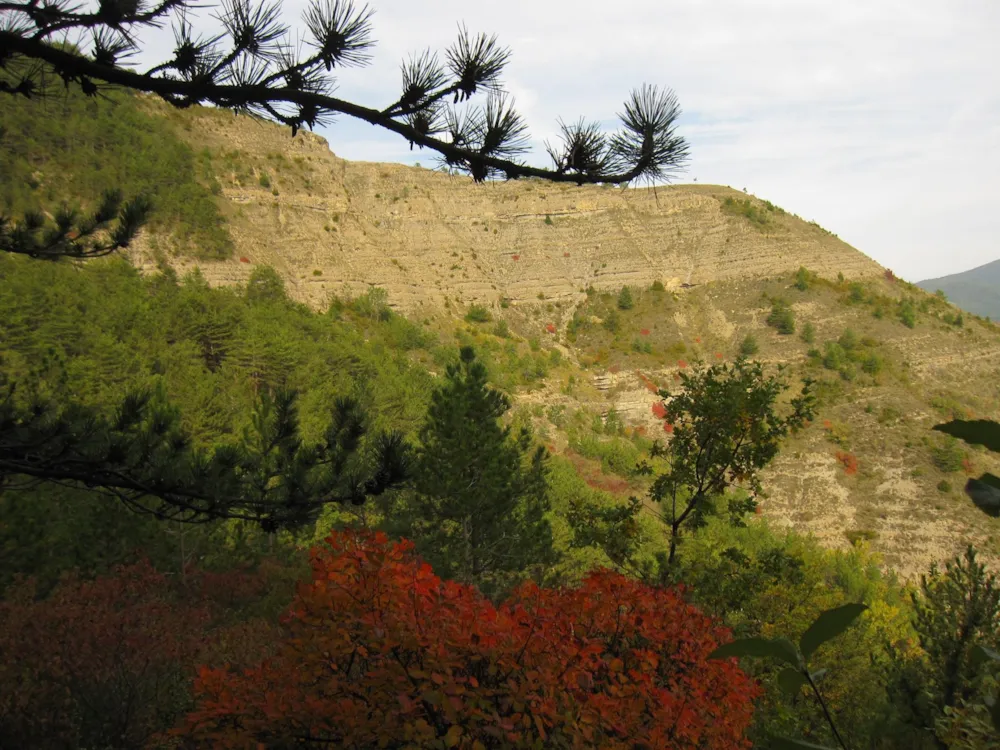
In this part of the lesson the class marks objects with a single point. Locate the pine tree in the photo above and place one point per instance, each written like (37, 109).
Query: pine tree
(481, 491)
(955, 611)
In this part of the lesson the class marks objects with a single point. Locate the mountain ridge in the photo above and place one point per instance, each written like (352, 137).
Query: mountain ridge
(974, 290)
(331, 226)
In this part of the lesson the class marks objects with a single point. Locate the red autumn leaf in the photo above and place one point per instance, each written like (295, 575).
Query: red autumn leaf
(244, 259)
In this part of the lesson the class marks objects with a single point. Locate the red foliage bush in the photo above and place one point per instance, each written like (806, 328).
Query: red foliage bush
(550, 327)
(565, 255)
(108, 662)
(718, 355)
(682, 364)
(516, 257)
(850, 462)
(106, 651)
(644, 332)
(890, 276)
(614, 369)
(697, 339)
(381, 652)
(659, 409)
(668, 428)
(967, 466)
(244, 259)
(650, 385)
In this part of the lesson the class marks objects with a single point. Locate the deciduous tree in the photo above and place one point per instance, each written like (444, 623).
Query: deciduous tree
(727, 427)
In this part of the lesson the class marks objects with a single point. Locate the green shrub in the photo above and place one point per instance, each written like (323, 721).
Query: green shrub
(808, 332)
(907, 313)
(612, 321)
(317, 272)
(749, 347)
(747, 209)
(642, 347)
(834, 356)
(478, 314)
(944, 486)
(501, 329)
(802, 279)
(781, 317)
(872, 363)
(625, 301)
(856, 292)
(264, 180)
(947, 455)
(548, 220)
(848, 340)
(657, 286)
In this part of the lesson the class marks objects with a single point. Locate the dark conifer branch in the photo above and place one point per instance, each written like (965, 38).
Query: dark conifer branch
(142, 456)
(254, 66)
(68, 235)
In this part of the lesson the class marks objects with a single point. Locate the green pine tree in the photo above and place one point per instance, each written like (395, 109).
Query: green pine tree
(955, 610)
(481, 494)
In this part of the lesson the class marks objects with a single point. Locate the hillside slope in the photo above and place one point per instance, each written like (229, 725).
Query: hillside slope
(976, 290)
(333, 226)
(546, 263)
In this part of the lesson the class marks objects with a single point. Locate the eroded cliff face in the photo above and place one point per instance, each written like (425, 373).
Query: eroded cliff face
(330, 226)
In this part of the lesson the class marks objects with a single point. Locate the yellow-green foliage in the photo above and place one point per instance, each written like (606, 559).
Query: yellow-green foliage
(772, 585)
(71, 148)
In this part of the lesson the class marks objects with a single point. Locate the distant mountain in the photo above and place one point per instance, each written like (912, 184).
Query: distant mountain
(976, 290)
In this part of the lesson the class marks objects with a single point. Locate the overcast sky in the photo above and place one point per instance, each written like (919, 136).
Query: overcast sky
(880, 119)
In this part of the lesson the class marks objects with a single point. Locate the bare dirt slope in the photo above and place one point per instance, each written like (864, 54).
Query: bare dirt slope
(332, 227)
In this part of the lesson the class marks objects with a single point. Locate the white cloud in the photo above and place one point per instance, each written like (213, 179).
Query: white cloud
(878, 118)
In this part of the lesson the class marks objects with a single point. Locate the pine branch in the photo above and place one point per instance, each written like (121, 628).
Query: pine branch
(111, 227)
(141, 456)
(253, 66)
